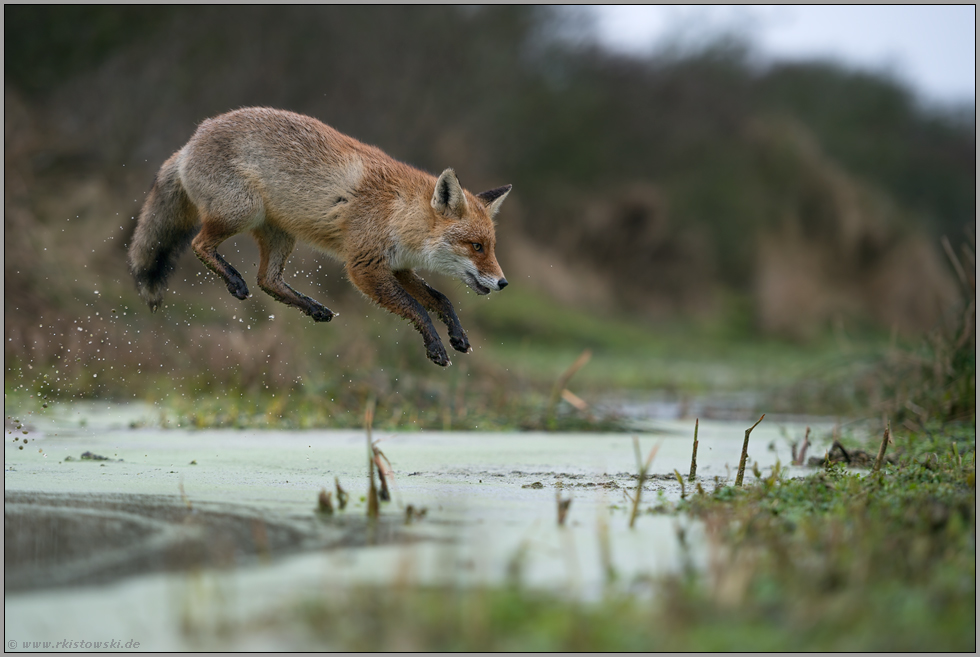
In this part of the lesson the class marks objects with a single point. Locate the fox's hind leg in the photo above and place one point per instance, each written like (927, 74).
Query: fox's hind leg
(435, 301)
(275, 246)
(205, 245)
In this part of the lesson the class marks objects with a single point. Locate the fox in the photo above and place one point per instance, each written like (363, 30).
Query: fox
(283, 177)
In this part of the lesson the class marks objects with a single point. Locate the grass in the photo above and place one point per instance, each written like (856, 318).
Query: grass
(218, 366)
(540, 337)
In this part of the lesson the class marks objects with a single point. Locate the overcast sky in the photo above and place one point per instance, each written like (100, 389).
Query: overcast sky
(933, 48)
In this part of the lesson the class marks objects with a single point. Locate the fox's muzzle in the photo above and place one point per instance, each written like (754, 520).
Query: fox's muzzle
(484, 285)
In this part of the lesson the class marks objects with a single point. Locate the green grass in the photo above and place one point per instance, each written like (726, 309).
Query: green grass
(251, 370)
(540, 337)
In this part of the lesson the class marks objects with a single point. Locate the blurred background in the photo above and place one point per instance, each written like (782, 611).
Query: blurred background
(708, 200)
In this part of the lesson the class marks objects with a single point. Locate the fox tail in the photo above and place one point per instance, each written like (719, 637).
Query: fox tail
(167, 224)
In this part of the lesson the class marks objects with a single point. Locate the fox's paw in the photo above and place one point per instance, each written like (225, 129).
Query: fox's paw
(238, 288)
(437, 354)
(460, 343)
(321, 314)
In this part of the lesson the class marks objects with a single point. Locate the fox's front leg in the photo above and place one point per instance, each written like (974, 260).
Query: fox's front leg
(380, 284)
(435, 301)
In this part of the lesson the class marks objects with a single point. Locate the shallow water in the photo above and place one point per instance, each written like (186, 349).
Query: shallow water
(216, 526)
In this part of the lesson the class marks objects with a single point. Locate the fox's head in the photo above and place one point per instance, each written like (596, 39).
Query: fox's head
(465, 247)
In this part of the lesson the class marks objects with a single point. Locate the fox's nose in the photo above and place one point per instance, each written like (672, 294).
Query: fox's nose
(502, 283)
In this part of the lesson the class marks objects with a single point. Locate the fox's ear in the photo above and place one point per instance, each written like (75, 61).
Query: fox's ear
(492, 198)
(448, 198)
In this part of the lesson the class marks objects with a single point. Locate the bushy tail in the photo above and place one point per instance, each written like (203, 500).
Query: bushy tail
(167, 224)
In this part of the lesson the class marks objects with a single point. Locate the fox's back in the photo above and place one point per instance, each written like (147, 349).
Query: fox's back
(299, 166)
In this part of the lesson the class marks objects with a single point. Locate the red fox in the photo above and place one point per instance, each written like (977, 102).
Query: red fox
(284, 176)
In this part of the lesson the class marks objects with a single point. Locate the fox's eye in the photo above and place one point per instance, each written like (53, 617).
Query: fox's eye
(477, 246)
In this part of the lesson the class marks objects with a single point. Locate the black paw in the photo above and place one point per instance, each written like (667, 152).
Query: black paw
(437, 354)
(321, 313)
(238, 288)
(459, 342)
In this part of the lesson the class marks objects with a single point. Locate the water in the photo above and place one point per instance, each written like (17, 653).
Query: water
(221, 524)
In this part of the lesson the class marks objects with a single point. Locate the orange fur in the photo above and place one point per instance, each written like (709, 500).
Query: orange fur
(285, 177)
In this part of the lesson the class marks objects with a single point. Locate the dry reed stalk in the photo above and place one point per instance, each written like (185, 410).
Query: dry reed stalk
(840, 448)
(323, 502)
(412, 514)
(694, 454)
(960, 272)
(680, 480)
(643, 468)
(563, 506)
(372, 501)
(562, 383)
(183, 496)
(342, 495)
(745, 453)
(799, 456)
(574, 399)
(884, 446)
(380, 460)
(605, 547)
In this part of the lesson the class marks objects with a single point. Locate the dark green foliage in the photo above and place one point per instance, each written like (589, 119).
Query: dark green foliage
(45, 45)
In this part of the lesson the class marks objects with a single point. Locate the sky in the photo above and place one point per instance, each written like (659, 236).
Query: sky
(932, 48)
